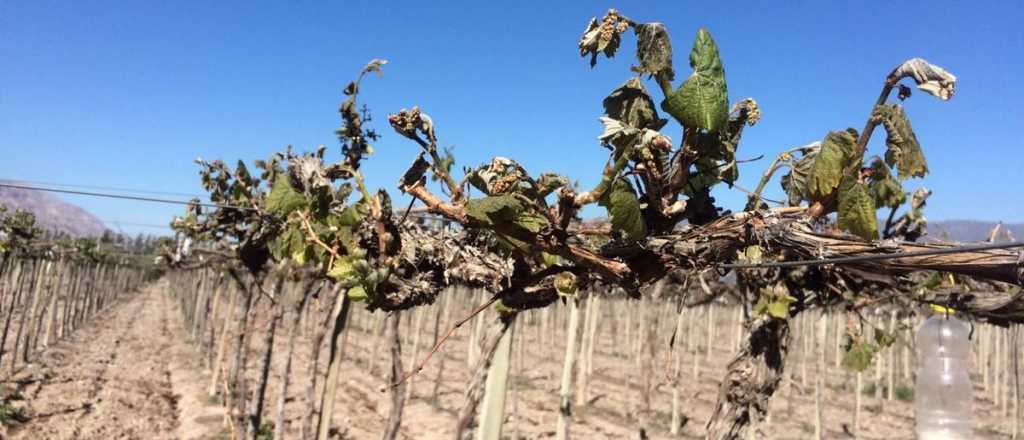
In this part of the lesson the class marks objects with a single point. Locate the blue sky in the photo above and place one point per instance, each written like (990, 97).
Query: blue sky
(129, 94)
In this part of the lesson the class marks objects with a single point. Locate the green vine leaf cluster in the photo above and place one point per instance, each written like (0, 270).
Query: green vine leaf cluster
(833, 175)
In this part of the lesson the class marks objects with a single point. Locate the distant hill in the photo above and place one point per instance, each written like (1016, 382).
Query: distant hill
(52, 213)
(970, 230)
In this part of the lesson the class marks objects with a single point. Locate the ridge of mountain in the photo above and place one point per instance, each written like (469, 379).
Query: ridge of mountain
(51, 212)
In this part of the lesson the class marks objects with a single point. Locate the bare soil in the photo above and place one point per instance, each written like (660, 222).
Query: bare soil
(126, 375)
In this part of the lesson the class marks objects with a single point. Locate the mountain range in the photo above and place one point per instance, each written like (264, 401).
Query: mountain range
(51, 212)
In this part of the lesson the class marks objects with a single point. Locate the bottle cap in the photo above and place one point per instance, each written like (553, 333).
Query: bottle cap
(944, 310)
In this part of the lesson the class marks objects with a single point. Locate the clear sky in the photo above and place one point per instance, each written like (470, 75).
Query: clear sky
(128, 94)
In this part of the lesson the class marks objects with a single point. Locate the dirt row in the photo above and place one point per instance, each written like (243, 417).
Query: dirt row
(126, 375)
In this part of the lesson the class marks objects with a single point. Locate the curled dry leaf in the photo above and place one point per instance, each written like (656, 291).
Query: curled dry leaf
(929, 77)
(374, 66)
(604, 36)
(631, 104)
(904, 152)
(408, 122)
(747, 111)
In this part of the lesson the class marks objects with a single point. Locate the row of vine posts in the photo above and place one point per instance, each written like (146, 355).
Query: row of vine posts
(51, 286)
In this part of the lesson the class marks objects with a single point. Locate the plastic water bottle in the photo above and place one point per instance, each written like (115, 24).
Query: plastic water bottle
(943, 390)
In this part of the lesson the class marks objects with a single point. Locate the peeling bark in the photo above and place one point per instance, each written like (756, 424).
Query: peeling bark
(751, 379)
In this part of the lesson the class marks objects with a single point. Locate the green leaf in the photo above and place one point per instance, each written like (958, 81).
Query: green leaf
(778, 309)
(857, 211)
(859, 356)
(885, 190)
(774, 301)
(350, 217)
(624, 209)
(830, 162)
(884, 339)
(493, 210)
(283, 199)
(703, 99)
(794, 183)
(630, 103)
(904, 152)
(565, 283)
(357, 293)
(346, 269)
(549, 182)
(288, 244)
(548, 260)
(446, 162)
(506, 209)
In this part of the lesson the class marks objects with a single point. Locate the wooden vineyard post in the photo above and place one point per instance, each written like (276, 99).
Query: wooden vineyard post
(339, 315)
(444, 319)
(819, 378)
(581, 363)
(50, 312)
(14, 291)
(858, 404)
(394, 421)
(491, 337)
(1015, 329)
(40, 290)
(565, 393)
(285, 377)
(493, 414)
(420, 315)
(473, 350)
(710, 332)
(677, 366)
(222, 345)
(593, 335)
(891, 372)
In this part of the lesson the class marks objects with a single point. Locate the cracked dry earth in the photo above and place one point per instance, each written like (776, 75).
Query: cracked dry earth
(129, 374)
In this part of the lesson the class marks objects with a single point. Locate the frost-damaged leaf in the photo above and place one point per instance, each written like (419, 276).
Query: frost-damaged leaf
(654, 50)
(374, 66)
(408, 122)
(624, 209)
(630, 103)
(603, 37)
(283, 199)
(501, 175)
(495, 209)
(415, 173)
(929, 77)
(904, 152)
(613, 129)
(857, 211)
(504, 209)
(549, 182)
(703, 100)
(829, 163)
(885, 190)
(794, 183)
